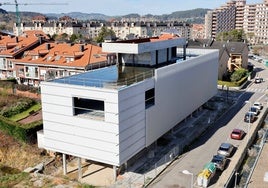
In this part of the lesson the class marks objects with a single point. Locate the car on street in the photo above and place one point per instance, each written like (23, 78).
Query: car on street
(249, 117)
(258, 105)
(226, 149)
(237, 134)
(255, 110)
(219, 161)
(258, 80)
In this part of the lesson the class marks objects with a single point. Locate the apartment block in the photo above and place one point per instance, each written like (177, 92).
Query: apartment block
(92, 29)
(13, 47)
(236, 14)
(52, 60)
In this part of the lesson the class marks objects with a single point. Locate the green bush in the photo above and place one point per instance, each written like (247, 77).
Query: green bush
(233, 84)
(21, 132)
(18, 107)
(238, 74)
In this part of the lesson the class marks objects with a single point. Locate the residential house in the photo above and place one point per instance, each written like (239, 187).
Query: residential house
(109, 115)
(12, 47)
(55, 60)
(232, 55)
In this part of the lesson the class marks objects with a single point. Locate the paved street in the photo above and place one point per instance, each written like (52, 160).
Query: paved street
(207, 145)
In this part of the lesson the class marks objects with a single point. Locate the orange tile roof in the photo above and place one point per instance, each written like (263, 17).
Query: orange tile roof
(11, 46)
(53, 54)
(165, 36)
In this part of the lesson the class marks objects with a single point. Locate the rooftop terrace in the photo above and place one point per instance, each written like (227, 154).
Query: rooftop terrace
(113, 77)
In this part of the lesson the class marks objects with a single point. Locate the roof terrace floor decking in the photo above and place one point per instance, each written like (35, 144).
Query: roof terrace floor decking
(113, 77)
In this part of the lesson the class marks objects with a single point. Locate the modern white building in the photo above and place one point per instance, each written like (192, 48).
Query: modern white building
(110, 114)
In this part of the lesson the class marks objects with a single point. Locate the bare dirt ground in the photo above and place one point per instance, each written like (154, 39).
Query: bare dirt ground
(33, 117)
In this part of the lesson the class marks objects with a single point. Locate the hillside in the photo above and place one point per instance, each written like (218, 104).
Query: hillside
(191, 16)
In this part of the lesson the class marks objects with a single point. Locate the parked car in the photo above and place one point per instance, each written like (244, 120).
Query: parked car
(249, 117)
(219, 161)
(255, 110)
(237, 134)
(258, 105)
(226, 149)
(258, 80)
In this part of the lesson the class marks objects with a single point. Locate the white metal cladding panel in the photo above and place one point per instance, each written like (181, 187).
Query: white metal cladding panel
(133, 110)
(83, 152)
(127, 123)
(111, 112)
(132, 120)
(136, 129)
(83, 131)
(120, 48)
(92, 143)
(56, 99)
(66, 90)
(58, 108)
(141, 47)
(179, 90)
(131, 91)
(131, 150)
(65, 95)
(135, 100)
(80, 122)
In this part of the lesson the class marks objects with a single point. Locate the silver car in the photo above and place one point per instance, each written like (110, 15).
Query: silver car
(226, 149)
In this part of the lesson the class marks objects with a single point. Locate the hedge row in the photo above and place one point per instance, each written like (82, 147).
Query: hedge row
(18, 107)
(233, 84)
(18, 131)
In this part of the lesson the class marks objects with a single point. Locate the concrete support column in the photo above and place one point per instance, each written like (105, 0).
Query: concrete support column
(64, 164)
(156, 57)
(80, 175)
(184, 52)
(115, 173)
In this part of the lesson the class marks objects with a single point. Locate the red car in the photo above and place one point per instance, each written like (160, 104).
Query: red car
(237, 134)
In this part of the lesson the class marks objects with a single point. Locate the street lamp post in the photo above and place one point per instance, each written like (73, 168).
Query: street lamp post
(192, 176)
(236, 173)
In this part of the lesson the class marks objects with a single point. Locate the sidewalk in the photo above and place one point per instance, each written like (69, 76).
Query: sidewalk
(158, 157)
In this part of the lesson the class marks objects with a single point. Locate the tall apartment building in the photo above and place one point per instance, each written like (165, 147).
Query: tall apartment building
(252, 18)
(261, 23)
(239, 15)
(220, 20)
(249, 21)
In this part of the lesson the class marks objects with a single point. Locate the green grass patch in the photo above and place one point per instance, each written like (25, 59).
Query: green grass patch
(25, 113)
(10, 180)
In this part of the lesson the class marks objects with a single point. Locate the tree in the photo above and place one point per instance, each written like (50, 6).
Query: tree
(105, 32)
(238, 74)
(73, 37)
(233, 36)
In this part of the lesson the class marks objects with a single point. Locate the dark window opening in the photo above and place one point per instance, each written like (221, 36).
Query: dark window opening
(88, 107)
(149, 98)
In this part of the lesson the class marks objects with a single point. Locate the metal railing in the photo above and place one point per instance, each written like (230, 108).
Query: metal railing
(113, 84)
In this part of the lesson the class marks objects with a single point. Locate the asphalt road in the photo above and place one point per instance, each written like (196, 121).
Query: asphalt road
(206, 146)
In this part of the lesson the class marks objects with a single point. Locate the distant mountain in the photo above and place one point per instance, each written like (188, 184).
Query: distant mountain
(80, 16)
(190, 16)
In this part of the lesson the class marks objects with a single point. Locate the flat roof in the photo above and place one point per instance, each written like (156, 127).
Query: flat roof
(113, 77)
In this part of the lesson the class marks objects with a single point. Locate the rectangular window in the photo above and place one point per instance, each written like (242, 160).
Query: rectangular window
(149, 98)
(88, 107)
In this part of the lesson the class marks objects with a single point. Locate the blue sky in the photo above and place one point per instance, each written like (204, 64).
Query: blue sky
(118, 7)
